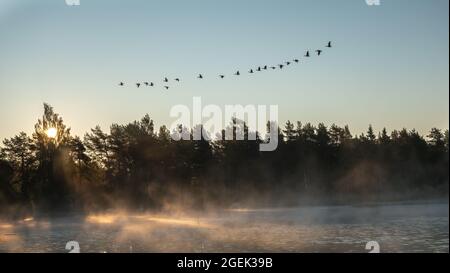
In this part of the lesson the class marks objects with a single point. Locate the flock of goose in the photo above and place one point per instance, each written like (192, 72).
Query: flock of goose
(238, 73)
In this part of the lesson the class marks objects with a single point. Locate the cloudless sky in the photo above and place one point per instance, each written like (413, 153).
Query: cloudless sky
(388, 67)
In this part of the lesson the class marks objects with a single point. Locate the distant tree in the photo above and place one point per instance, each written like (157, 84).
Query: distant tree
(19, 151)
(51, 138)
(347, 135)
(8, 195)
(322, 136)
(78, 152)
(336, 134)
(370, 136)
(98, 147)
(384, 137)
(289, 131)
(308, 133)
(446, 139)
(50, 121)
(436, 138)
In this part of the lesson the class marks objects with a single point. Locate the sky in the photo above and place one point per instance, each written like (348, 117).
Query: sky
(388, 66)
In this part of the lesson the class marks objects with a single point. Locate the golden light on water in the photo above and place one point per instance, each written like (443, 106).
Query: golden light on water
(180, 222)
(109, 219)
(6, 226)
(52, 132)
(102, 219)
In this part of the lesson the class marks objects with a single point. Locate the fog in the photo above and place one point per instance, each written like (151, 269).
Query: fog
(397, 227)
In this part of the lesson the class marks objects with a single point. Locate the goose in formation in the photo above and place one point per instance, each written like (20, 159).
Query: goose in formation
(200, 76)
(329, 44)
(177, 79)
(138, 85)
(121, 84)
(307, 54)
(251, 71)
(237, 73)
(166, 80)
(296, 60)
(167, 88)
(222, 76)
(319, 52)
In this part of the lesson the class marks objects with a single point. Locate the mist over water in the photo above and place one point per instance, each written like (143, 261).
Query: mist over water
(399, 227)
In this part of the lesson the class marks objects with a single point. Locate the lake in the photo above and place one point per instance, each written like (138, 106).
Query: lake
(398, 227)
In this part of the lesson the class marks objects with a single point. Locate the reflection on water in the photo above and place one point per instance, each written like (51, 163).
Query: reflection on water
(397, 228)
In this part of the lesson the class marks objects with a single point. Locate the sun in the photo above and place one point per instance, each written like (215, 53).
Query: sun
(52, 132)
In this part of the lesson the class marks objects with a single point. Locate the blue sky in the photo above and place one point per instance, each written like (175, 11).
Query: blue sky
(388, 67)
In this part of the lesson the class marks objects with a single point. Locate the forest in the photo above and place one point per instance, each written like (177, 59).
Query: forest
(136, 166)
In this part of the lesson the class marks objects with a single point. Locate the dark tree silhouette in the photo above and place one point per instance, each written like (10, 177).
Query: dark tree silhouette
(136, 166)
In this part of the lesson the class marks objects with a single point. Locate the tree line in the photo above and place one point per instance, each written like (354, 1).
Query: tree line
(136, 166)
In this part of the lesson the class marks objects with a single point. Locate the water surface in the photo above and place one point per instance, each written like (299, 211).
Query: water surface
(396, 227)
